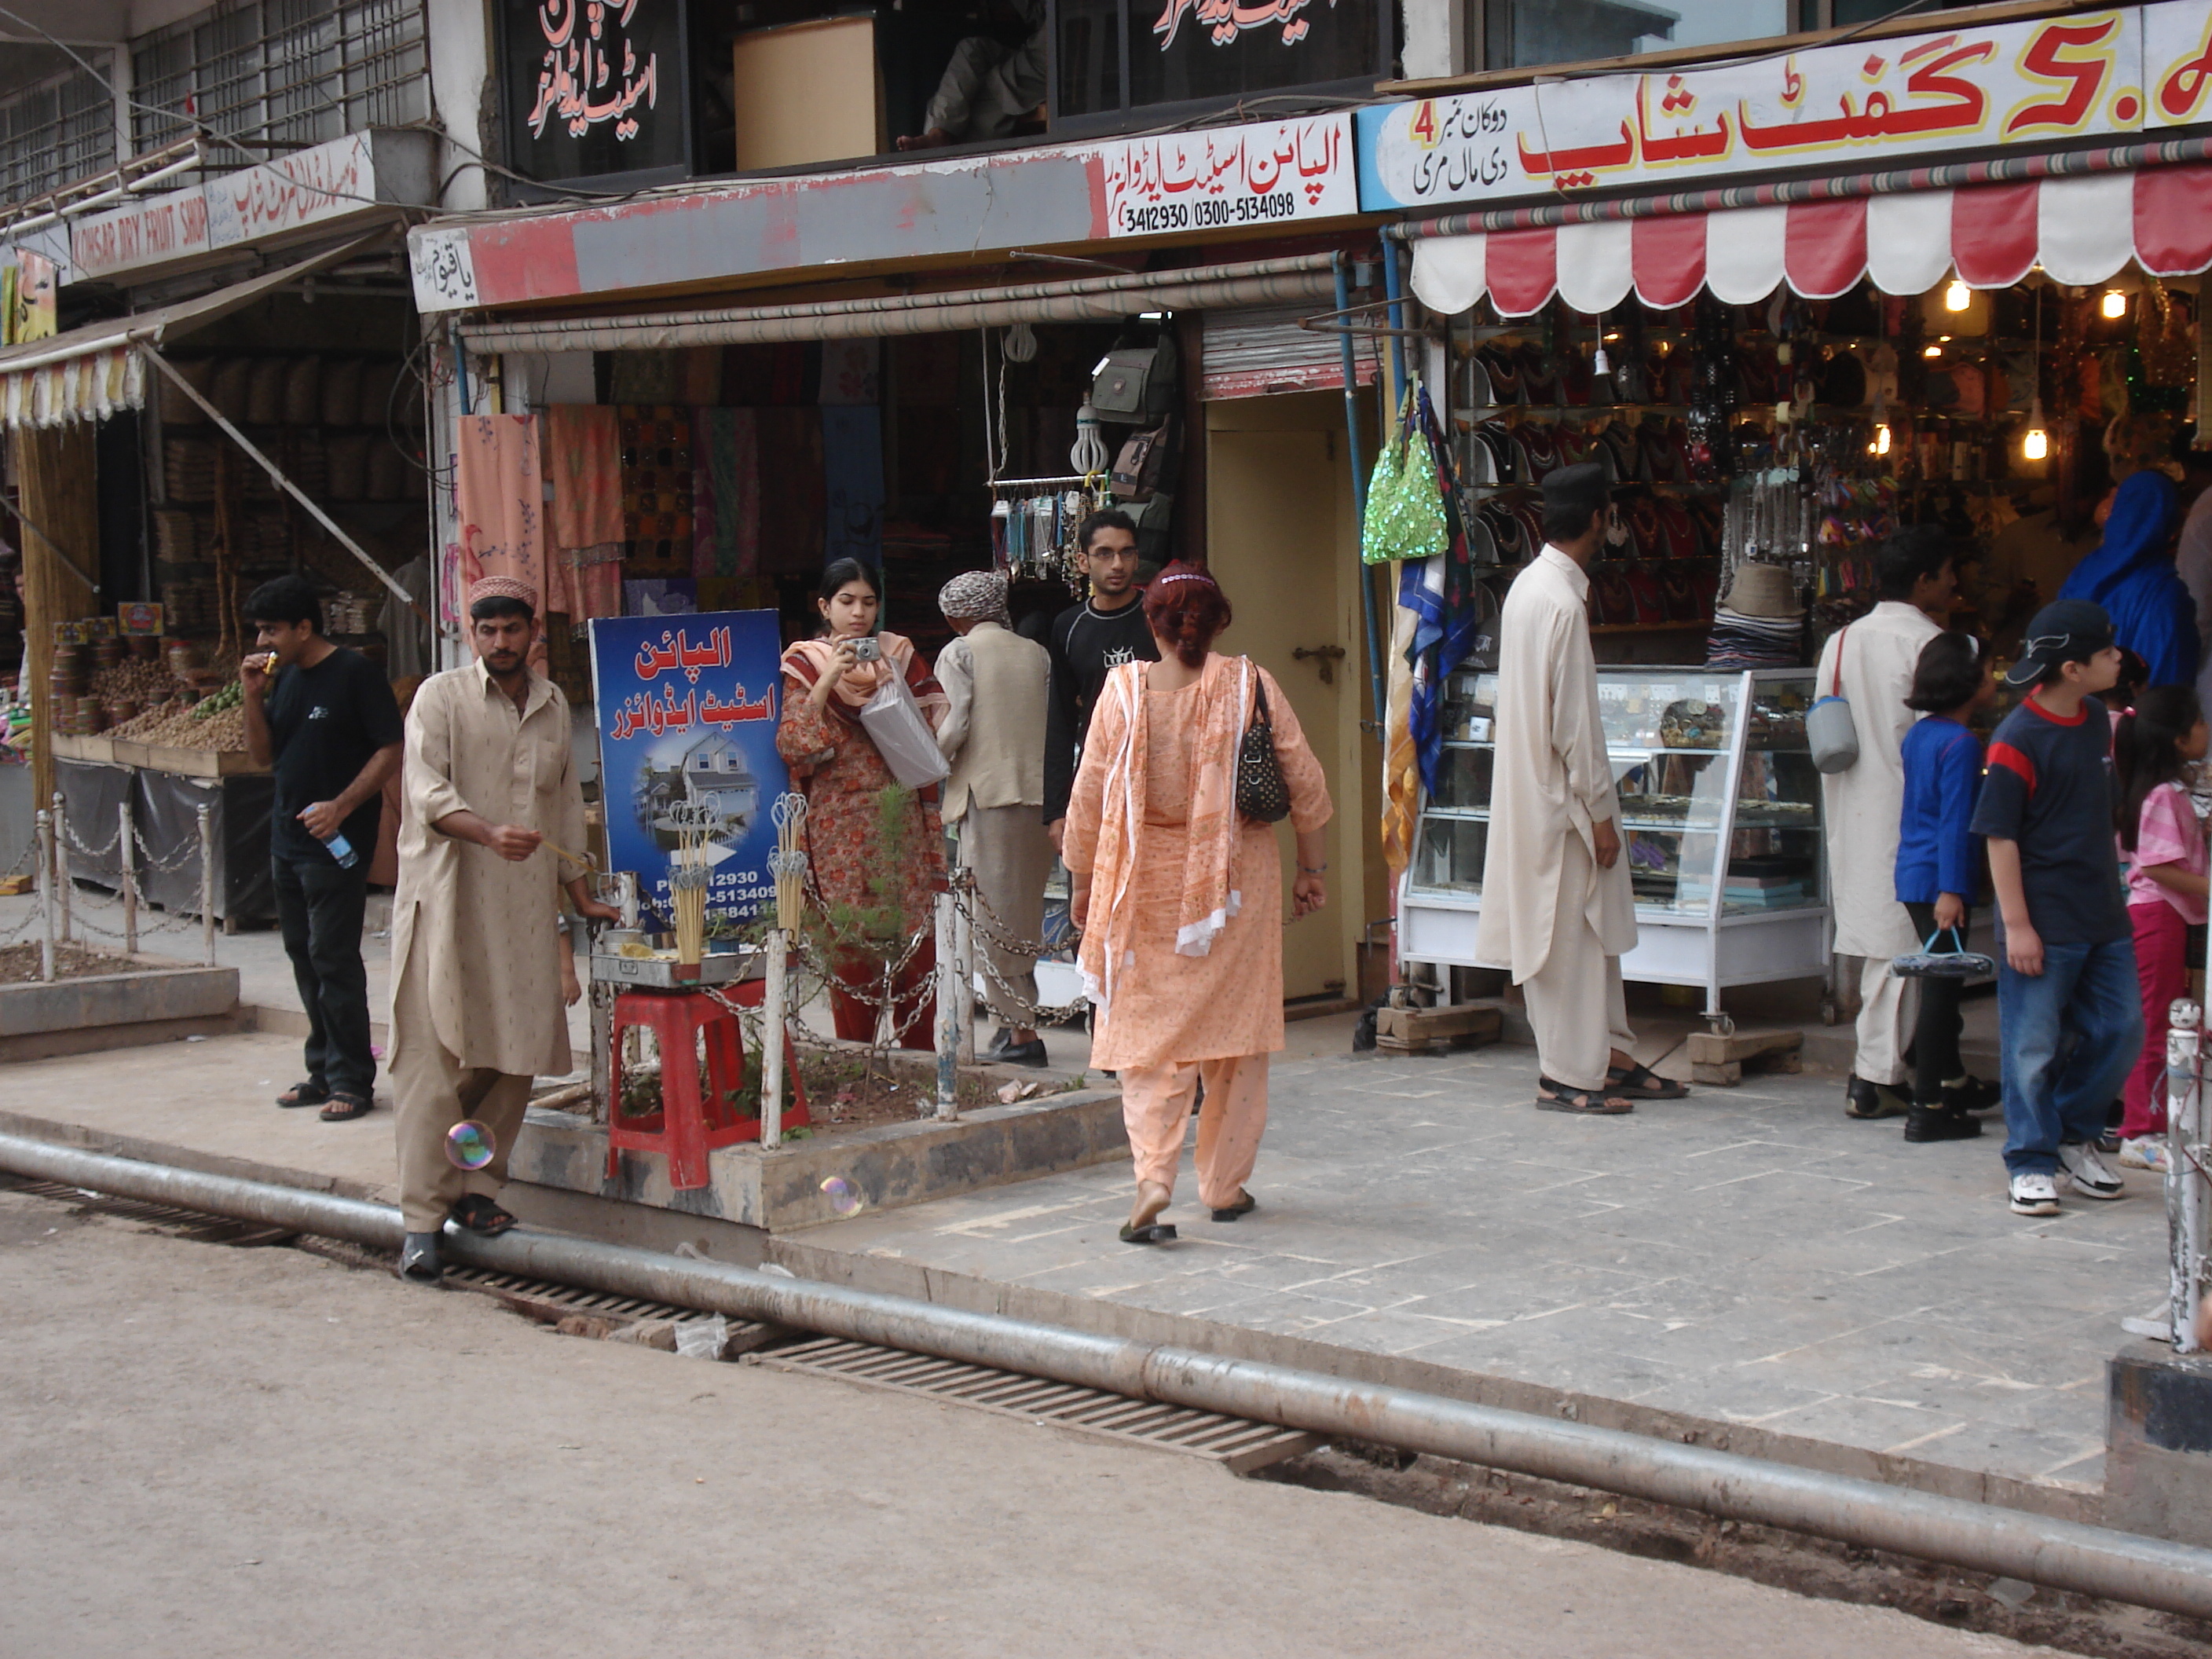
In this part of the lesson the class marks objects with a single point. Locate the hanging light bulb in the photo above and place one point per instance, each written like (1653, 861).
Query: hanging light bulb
(1020, 344)
(2115, 304)
(2037, 444)
(1958, 297)
(1880, 444)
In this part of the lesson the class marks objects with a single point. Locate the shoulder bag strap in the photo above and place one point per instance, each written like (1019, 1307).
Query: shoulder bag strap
(1836, 679)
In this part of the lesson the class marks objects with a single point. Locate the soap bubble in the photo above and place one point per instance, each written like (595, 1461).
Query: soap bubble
(844, 1197)
(468, 1145)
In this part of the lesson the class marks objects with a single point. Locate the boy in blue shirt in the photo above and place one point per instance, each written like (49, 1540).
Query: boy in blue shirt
(1939, 872)
(2069, 1012)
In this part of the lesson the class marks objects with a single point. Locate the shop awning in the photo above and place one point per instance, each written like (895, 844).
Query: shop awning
(1088, 299)
(2081, 229)
(90, 373)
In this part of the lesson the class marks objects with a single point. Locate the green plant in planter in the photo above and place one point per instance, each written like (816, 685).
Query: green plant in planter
(877, 930)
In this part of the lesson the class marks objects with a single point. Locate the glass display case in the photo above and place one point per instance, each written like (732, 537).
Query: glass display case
(1720, 817)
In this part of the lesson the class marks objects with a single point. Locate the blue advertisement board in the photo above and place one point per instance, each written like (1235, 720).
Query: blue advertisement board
(687, 709)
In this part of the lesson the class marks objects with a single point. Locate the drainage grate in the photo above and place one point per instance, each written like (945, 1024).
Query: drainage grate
(549, 1303)
(196, 1225)
(1239, 1444)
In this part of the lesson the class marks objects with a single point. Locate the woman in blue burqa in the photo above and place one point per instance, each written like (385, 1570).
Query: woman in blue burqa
(2131, 574)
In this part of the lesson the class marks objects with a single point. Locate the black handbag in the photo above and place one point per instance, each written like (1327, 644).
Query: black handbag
(1261, 792)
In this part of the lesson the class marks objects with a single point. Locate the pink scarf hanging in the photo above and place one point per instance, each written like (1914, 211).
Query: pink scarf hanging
(500, 497)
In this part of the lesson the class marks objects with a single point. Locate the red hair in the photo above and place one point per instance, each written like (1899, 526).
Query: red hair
(1187, 608)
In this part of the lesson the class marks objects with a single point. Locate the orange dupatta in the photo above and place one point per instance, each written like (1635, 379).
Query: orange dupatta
(1121, 743)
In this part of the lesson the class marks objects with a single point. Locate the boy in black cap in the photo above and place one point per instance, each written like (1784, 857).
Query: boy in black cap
(2069, 1012)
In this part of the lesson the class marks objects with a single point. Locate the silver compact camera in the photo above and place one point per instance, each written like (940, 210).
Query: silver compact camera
(867, 648)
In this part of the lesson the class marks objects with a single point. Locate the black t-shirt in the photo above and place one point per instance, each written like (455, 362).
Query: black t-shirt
(1085, 644)
(324, 722)
(2050, 788)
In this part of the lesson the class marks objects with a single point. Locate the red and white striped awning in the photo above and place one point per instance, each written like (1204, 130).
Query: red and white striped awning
(2079, 229)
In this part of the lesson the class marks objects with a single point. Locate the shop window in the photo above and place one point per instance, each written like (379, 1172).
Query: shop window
(1116, 56)
(54, 133)
(1529, 33)
(277, 74)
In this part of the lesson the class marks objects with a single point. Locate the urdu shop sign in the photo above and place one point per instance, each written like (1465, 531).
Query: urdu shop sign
(1867, 103)
(595, 88)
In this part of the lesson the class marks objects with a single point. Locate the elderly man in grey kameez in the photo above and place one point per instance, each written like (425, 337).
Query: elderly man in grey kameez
(490, 790)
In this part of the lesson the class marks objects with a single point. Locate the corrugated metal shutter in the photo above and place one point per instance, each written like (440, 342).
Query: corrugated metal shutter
(1251, 353)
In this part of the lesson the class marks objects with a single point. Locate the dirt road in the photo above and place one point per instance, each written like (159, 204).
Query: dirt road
(241, 1452)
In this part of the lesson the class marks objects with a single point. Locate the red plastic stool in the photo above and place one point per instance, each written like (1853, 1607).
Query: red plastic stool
(685, 1126)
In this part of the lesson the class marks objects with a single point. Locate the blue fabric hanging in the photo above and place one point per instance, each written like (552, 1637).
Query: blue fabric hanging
(1442, 592)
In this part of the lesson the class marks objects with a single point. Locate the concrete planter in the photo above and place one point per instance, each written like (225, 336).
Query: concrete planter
(116, 1011)
(885, 1167)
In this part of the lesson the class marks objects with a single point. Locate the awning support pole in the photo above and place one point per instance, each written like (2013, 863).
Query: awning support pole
(1360, 499)
(283, 482)
(68, 564)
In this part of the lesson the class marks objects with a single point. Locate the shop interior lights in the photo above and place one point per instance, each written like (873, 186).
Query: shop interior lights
(2115, 304)
(2037, 444)
(1880, 444)
(1958, 297)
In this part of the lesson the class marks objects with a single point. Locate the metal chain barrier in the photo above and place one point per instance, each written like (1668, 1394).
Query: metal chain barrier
(994, 931)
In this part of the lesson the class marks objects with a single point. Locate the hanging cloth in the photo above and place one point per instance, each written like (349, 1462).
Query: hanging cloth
(500, 495)
(724, 493)
(1441, 591)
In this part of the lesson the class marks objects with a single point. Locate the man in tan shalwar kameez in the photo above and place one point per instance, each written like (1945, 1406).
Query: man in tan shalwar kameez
(1557, 909)
(1864, 803)
(490, 779)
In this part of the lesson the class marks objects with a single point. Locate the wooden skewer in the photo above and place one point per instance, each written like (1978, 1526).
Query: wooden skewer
(562, 852)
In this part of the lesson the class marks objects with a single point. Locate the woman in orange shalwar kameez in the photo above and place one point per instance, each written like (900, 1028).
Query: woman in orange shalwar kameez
(1180, 898)
(834, 761)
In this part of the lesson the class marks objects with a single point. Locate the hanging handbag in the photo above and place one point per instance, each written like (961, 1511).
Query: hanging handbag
(1405, 499)
(1261, 794)
(1830, 732)
(1957, 962)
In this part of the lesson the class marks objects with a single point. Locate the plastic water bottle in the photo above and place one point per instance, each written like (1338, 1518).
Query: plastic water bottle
(342, 850)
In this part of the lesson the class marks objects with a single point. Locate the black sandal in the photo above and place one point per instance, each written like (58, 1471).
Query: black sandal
(1580, 1102)
(1643, 1082)
(1153, 1232)
(309, 1093)
(1245, 1205)
(482, 1216)
(344, 1107)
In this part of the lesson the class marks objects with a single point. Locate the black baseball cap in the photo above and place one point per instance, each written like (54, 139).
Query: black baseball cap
(2068, 630)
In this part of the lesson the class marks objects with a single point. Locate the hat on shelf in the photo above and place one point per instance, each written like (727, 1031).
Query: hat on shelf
(1763, 590)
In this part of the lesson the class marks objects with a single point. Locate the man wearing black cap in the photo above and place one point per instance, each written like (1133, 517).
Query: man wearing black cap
(2069, 1012)
(1556, 905)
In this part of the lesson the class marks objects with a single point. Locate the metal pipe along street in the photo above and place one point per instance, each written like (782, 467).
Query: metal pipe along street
(2065, 1555)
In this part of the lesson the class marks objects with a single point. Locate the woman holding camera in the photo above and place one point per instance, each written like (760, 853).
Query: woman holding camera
(887, 892)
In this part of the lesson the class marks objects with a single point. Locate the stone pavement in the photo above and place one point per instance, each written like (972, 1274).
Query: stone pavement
(1747, 1256)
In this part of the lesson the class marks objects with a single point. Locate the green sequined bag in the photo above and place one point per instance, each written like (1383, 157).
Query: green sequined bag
(1405, 501)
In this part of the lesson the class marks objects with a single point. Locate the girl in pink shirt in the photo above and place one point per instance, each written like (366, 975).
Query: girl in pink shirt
(2154, 742)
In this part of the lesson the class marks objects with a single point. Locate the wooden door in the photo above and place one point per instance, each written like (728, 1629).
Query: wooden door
(1276, 517)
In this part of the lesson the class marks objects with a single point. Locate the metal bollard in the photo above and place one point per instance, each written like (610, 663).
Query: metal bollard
(2186, 1195)
(207, 888)
(129, 860)
(772, 1024)
(46, 894)
(963, 978)
(948, 1013)
(61, 888)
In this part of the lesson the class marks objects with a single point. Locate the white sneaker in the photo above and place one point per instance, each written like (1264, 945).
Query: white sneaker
(2143, 1152)
(2034, 1195)
(2087, 1172)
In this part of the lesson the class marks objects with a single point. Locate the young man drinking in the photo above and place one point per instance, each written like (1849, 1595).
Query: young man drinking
(2069, 1012)
(323, 718)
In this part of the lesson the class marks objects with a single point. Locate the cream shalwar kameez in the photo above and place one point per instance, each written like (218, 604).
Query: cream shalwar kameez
(1549, 914)
(1863, 805)
(1167, 1017)
(476, 1003)
(996, 688)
